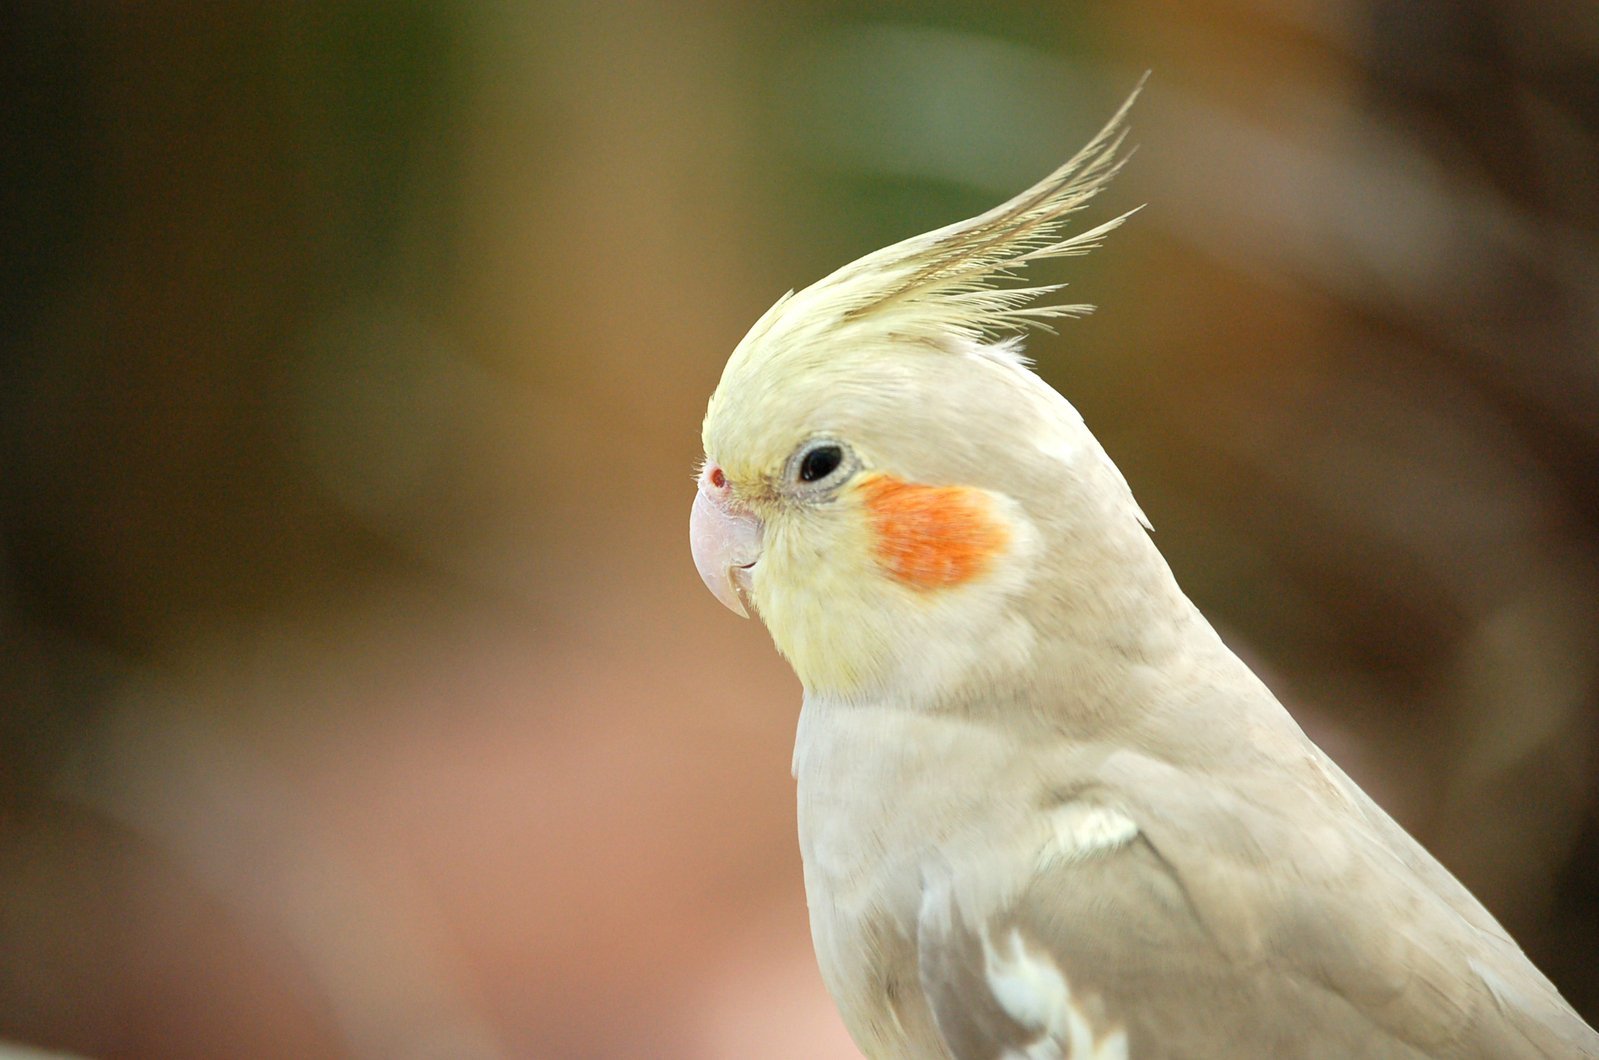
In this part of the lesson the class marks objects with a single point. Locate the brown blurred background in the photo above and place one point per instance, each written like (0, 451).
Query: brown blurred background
(359, 696)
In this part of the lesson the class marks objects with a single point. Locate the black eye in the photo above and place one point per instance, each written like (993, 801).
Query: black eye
(820, 462)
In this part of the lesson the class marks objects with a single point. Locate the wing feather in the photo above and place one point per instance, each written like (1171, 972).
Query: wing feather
(1231, 926)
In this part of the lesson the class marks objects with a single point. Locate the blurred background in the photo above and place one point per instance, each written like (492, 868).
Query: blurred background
(359, 695)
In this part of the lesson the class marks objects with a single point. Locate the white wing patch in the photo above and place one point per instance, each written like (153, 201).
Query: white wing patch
(1081, 830)
(1034, 992)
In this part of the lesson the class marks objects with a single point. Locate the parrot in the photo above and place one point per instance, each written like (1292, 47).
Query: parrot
(1044, 812)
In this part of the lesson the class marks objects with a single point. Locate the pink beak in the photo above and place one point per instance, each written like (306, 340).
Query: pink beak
(726, 541)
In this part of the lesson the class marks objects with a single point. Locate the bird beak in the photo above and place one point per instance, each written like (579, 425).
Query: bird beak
(726, 541)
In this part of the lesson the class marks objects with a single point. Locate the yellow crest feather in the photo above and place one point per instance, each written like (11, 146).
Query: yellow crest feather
(942, 284)
(938, 290)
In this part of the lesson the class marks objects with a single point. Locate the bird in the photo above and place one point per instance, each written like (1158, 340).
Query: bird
(1044, 811)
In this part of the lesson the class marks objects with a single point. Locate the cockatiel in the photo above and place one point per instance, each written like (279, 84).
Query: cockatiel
(1044, 811)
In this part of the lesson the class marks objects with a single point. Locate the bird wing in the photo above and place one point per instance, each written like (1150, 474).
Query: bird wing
(1177, 914)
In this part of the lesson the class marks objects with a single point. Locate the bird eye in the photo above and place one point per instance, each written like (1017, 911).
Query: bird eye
(820, 462)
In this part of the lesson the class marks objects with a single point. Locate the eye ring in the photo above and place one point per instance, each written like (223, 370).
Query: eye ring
(820, 465)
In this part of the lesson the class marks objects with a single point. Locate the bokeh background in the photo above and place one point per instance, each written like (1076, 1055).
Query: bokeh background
(359, 696)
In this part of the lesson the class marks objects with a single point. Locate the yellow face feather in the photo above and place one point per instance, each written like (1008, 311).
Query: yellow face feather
(891, 543)
(843, 585)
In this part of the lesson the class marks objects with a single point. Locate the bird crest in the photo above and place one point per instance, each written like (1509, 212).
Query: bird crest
(950, 283)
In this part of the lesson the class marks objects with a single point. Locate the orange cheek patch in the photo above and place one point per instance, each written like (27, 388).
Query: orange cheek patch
(932, 537)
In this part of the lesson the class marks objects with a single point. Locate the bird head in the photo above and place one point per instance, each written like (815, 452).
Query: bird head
(885, 478)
